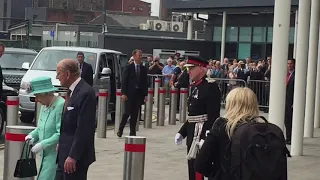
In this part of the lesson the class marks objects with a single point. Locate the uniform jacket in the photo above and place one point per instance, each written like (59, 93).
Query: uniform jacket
(205, 98)
(47, 133)
(87, 73)
(78, 126)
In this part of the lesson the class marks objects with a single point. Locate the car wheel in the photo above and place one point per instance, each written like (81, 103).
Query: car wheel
(1, 121)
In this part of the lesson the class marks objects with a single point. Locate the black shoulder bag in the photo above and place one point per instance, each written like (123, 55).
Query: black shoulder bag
(26, 166)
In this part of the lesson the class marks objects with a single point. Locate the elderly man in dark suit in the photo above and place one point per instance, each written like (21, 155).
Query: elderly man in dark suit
(76, 144)
(134, 90)
(86, 70)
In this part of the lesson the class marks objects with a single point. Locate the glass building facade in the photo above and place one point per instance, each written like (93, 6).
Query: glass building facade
(242, 42)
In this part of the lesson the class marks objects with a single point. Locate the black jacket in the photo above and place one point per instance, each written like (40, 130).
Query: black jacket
(215, 151)
(87, 73)
(78, 126)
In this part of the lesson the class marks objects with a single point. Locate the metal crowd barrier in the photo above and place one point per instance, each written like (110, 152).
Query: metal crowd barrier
(155, 78)
(261, 89)
(226, 85)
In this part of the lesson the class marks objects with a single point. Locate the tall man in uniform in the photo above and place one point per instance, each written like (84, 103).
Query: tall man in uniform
(203, 110)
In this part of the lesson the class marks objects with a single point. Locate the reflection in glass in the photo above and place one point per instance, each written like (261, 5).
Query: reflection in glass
(245, 34)
(232, 34)
(259, 34)
(217, 34)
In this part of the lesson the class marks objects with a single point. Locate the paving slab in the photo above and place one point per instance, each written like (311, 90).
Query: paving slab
(165, 160)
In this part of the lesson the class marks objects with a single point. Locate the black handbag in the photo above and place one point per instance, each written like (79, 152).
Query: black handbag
(26, 166)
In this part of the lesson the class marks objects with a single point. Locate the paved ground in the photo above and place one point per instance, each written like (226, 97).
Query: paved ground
(165, 160)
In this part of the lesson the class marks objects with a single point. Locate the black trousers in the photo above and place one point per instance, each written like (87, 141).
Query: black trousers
(80, 174)
(131, 109)
(288, 122)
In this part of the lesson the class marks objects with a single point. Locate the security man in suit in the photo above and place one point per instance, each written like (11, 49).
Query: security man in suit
(76, 150)
(86, 70)
(203, 109)
(134, 90)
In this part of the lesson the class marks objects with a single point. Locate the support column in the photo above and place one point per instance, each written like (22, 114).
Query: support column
(299, 100)
(190, 27)
(280, 40)
(223, 36)
(295, 34)
(312, 68)
(317, 104)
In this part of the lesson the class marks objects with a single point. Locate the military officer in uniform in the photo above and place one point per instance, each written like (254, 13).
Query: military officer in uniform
(203, 110)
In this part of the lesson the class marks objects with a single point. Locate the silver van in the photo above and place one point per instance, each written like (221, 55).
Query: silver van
(105, 63)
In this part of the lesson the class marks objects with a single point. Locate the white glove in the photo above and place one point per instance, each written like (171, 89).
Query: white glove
(37, 148)
(178, 139)
(200, 143)
(207, 132)
(29, 137)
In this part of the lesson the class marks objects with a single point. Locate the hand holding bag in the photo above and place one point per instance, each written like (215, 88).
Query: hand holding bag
(26, 166)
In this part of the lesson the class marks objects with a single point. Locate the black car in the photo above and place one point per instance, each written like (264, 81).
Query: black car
(7, 91)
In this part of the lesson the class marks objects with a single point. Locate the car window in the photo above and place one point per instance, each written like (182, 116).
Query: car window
(123, 60)
(15, 59)
(48, 60)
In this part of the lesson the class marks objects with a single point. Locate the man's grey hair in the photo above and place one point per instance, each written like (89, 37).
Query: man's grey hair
(71, 66)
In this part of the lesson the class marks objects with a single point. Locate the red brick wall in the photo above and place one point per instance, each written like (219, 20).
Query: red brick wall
(136, 7)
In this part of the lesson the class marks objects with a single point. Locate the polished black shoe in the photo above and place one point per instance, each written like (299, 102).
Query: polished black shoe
(119, 134)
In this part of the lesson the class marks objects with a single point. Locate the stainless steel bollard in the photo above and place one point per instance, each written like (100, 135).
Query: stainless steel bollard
(12, 110)
(118, 113)
(13, 147)
(183, 104)
(134, 158)
(161, 116)
(102, 113)
(138, 121)
(37, 111)
(157, 82)
(149, 109)
(173, 106)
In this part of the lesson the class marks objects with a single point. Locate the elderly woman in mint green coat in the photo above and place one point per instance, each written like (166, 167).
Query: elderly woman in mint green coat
(46, 135)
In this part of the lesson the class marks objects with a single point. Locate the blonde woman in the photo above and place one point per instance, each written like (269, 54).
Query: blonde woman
(215, 156)
(241, 106)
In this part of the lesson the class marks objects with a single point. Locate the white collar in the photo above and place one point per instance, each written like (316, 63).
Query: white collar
(135, 64)
(74, 84)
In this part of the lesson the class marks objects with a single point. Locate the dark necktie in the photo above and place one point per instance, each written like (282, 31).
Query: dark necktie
(80, 66)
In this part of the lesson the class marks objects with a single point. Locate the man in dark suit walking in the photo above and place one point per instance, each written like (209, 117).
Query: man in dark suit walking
(134, 90)
(289, 99)
(76, 144)
(86, 70)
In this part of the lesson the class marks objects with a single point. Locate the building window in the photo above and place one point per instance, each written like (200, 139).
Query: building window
(130, 8)
(270, 34)
(217, 33)
(140, 9)
(5, 7)
(258, 51)
(244, 50)
(133, 8)
(232, 34)
(259, 34)
(245, 34)
(291, 35)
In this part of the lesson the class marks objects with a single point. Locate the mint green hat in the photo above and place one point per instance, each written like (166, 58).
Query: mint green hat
(42, 85)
